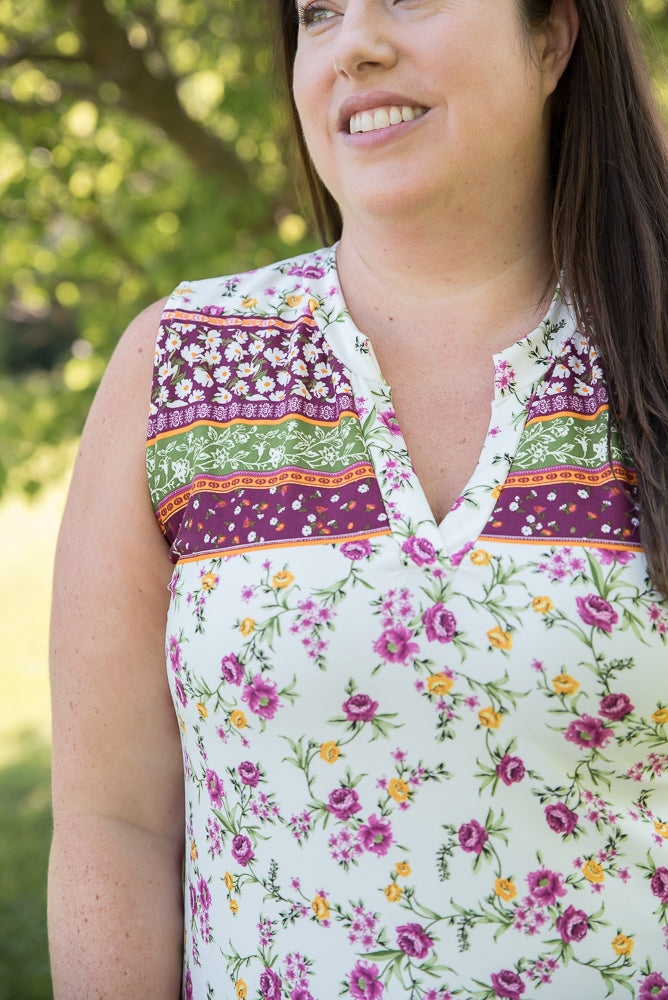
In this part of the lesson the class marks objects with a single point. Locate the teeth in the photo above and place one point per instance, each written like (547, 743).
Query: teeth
(370, 121)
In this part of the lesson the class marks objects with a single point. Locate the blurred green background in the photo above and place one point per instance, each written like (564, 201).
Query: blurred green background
(141, 143)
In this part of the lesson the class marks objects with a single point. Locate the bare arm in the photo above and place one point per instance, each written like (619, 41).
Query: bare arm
(115, 906)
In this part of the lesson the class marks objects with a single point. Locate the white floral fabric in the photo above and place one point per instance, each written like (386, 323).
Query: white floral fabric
(422, 760)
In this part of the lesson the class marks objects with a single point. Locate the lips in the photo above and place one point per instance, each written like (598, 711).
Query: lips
(377, 109)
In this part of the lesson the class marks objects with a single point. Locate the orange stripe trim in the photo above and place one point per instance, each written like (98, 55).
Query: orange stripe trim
(547, 541)
(239, 550)
(267, 322)
(569, 413)
(568, 475)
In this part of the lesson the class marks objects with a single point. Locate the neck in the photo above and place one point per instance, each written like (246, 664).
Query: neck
(489, 277)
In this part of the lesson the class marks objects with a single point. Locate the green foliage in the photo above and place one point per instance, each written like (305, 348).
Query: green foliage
(25, 834)
(140, 146)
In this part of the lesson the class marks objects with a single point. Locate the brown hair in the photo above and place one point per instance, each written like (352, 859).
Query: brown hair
(609, 166)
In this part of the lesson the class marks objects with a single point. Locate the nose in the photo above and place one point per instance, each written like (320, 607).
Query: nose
(363, 41)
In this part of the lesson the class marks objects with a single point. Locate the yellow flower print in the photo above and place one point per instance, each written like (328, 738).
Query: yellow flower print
(496, 492)
(439, 683)
(320, 907)
(489, 718)
(282, 579)
(249, 302)
(593, 871)
(193, 850)
(398, 789)
(403, 868)
(208, 581)
(313, 304)
(182, 724)
(393, 892)
(500, 639)
(329, 751)
(229, 881)
(565, 684)
(203, 710)
(247, 626)
(542, 605)
(241, 990)
(238, 719)
(480, 558)
(660, 716)
(505, 888)
(622, 945)
(661, 828)
(234, 906)
(294, 300)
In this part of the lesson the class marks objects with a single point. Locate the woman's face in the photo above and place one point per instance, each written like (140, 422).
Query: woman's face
(420, 106)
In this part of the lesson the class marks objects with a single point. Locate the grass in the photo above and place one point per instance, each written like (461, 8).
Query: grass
(28, 530)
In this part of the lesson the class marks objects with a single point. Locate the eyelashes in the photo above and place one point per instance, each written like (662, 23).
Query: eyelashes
(313, 13)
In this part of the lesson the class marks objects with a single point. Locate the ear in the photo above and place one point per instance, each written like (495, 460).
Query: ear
(555, 41)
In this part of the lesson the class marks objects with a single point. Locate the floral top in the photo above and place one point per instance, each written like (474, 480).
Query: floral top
(422, 760)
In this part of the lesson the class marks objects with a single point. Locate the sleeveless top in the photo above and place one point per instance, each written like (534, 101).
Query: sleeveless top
(421, 760)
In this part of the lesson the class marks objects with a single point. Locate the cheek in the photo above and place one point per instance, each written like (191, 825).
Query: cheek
(305, 91)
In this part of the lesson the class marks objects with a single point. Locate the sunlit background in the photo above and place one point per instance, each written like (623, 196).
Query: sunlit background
(141, 143)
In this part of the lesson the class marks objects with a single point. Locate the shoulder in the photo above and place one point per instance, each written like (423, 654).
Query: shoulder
(263, 291)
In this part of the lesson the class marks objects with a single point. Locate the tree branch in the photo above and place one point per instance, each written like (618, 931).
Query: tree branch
(111, 57)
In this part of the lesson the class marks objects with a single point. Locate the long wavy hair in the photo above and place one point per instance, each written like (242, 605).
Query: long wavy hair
(609, 175)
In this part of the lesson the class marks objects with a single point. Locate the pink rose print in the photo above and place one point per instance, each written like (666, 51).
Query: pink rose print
(653, 987)
(204, 893)
(180, 691)
(242, 849)
(299, 993)
(607, 557)
(270, 985)
(364, 982)
(356, 550)
(261, 697)
(659, 884)
(249, 773)
(545, 886)
(395, 645)
(507, 983)
(510, 769)
(360, 708)
(216, 789)
(595, 610)
(175, 653)
(440, 624)
(188, 986)
(307, 271)
(588, 732)
(615, 706)
(376, 835)
(231, 669)
(572, 924)
(414, 940)
(560, 818)
(420, 550)
(343, 802)
(389, 419)
(472, 837)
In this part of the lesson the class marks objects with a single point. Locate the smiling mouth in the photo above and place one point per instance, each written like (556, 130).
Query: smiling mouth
(371, 121)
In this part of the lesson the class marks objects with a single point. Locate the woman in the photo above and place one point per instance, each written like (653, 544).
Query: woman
(422, 699)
